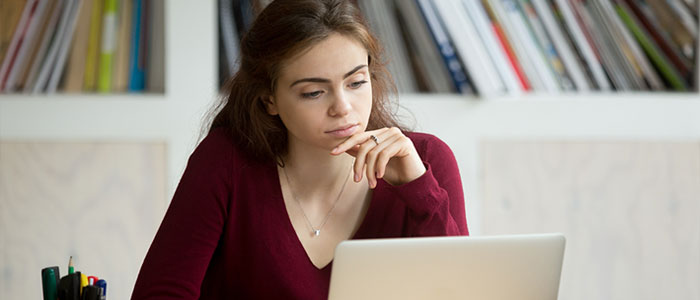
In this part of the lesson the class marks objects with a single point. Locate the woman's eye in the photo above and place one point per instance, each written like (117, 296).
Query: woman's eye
(315, 94)
(357, 84)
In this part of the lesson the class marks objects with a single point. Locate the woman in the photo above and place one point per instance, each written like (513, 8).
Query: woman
(302, 154)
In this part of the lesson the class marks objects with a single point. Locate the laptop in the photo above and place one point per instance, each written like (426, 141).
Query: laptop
(484, 267)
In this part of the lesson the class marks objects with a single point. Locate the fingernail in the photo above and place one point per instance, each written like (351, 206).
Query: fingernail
(357, 177)
(334, 150)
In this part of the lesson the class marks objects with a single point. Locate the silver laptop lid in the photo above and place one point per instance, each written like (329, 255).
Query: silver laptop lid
(484, 267)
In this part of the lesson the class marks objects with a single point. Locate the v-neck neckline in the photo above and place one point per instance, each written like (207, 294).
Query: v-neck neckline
(290, 227)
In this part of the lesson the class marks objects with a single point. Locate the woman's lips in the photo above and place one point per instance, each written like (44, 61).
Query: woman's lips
(341, 133)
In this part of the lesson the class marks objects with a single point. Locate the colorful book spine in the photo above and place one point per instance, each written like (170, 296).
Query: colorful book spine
(17, 41)
(109, 39)
(470, 48)
(567, 54)
(90, 83)
(49, 65)
(527, 38)
(512, 59)
(137, 74)
(546, 45)
(664, 66)
(447, 50)
(75, 70)
(10, 15)
(64, 43)
(120, 76)
(583, 43)
(477, 14)
(40, 57)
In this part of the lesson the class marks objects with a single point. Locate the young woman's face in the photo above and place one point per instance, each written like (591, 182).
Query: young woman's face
(324, 95)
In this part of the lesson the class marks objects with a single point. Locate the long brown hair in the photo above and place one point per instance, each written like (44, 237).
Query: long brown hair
(281, 30)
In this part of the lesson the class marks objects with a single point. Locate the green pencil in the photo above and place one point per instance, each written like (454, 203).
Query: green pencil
(71, 270)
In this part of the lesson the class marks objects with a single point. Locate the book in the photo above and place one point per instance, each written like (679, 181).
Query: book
(507, 47)
(379, 14)
(662, 39)
(693, 6)
(47, 39)
(28, 34)
(559, 41)
(17, 41)
(66, 31)
(120, 75)
(229, 38)
(658, 59)
(244, 15)
(582, 43)
(622, 60)
(604, 44)
(510, 34)
(49, 63)
(697, 64)
(522, 33)
(75, 70)
(93, 48)
(10, 13)
(568, 38)
(671, 23)
(499, 57)
(155, 64)
(546, 46)
(137, 56)
(469, 48)
(108, 45)
(447, 50)
(686, 16)
(642, 65)
(45, 18)
(429, 61)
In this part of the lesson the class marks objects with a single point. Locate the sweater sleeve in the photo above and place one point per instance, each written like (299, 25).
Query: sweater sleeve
(185, 242)
(435, 200)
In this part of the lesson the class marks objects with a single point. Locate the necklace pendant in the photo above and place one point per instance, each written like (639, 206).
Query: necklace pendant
(317, 232)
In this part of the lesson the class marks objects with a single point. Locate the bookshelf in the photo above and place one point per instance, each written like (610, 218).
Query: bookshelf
(82, 46)
(173, 116)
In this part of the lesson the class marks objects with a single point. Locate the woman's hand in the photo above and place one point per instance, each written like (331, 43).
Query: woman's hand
(391, 157)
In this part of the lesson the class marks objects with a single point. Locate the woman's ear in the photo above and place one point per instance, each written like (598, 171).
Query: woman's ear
(270, 105)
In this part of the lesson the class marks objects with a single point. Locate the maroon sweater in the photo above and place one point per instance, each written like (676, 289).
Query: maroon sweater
(227, 234)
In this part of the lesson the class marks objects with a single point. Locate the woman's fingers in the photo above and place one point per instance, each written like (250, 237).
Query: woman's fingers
(372, 151)
(361, 157)
(388, 152)
(373, 161)
(359, 138)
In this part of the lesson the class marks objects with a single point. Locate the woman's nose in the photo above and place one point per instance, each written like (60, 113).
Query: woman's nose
(341, 104)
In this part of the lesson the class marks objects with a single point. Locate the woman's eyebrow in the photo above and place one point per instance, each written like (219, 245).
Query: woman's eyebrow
(324, 80)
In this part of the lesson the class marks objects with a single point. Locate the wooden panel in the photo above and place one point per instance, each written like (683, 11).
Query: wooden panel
(630, 211)
(100, 202)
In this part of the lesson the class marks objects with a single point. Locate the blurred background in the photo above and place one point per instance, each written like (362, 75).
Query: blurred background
(572, 116)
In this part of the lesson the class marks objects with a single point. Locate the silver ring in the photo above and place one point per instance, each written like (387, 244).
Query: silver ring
(374, 138)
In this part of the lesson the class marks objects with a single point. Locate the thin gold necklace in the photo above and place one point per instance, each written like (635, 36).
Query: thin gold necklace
(316, 231)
